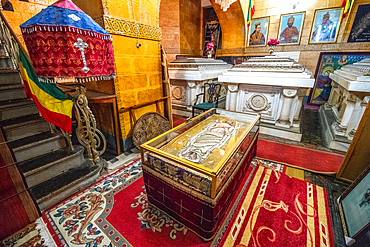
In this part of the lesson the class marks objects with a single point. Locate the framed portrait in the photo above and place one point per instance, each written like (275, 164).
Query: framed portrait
(328, 63)
(360, 31)
(354, 207)
(258, 31)
(325, 26)
(290, 28)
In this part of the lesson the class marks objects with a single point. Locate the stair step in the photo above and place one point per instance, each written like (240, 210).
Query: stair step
(6, 63)
(33, 146)
(47, 166)
(17, 108)
(21, 127)
(66, 184)
(10, 77)
(12, 91)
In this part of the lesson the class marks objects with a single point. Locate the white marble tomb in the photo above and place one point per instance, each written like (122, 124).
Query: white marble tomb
(187, 77)
(346, 105)
(272, 86)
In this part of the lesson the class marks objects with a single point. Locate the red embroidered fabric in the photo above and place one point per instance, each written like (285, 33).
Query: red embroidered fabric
(54, 54)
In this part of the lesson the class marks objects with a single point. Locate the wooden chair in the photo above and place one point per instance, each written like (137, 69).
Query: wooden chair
(211, 93)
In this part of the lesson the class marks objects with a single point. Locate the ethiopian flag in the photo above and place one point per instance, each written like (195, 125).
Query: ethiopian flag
(250, 12)
(347, 4)
(51, 101)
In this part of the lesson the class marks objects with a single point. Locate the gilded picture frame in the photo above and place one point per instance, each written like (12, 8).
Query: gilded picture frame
(326, 24)
(258, 31)
(360, 31)
(291, 35)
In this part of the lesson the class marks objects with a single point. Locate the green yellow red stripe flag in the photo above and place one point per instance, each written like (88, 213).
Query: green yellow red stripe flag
(347, 4)
(251, 10)
(51, 101)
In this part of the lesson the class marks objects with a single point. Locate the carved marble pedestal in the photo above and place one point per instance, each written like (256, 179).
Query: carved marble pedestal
(187, 79)
(348, 98)
(272, 86)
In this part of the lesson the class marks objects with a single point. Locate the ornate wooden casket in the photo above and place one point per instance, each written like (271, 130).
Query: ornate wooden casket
(192, 172)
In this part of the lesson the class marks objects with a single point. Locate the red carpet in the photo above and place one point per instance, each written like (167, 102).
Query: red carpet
(280, 211)
(115, 212)
(305, 158)
(178, 120)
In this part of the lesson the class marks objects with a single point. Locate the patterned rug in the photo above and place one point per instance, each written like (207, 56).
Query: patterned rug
(278, 210)
(114, 212)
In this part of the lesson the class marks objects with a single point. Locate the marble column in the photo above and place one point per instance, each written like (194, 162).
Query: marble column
(233, 97)
(298, 106)
(192, 90)
(285, 113)
(340, 127)
(333, 97)
(363, 105)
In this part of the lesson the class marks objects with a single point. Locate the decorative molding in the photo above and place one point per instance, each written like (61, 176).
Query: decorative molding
(191, 84)
(232, 88)
(290, 93)
(265, 67)
(258, 102)
(132, 29)
(198, 66)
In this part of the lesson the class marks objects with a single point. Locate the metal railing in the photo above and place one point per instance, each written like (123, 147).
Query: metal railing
(87, 133)
(9, 42)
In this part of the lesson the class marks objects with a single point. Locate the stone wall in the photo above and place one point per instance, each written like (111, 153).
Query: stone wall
(190, 27)
(169, 21)
(180, 21)
(23, 11)
(309, 53)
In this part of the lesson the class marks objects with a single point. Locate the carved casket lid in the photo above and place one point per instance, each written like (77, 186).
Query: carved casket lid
(198, 64)
(354, 77)
(270, 64)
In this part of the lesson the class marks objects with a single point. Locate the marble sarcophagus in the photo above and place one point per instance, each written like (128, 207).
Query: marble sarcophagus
(192, 172)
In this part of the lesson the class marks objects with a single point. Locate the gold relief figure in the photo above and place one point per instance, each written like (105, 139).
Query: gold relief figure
(192, 180)
(172, 171)
(214, 135)
(157, 164)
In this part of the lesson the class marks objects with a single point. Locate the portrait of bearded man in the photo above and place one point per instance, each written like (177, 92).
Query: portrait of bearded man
(289, 34)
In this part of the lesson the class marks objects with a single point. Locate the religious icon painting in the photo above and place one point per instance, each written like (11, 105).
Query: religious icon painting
(360, 31)
(326, 25)
(290, 28)
(258, 31)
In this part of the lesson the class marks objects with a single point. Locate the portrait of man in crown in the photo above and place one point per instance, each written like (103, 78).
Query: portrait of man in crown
(290, 28)
(326, 25)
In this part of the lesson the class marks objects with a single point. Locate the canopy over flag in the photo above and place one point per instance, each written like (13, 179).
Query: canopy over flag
(347, 4)
(52, 102)
(64, 42)
(251, 11)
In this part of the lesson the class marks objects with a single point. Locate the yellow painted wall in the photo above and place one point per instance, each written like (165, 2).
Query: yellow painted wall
(23, 11)
(180, 21)
(309, 52)
(138, 70)
(169, 21)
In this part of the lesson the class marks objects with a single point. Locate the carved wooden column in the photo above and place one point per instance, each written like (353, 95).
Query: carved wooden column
(288, 97)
